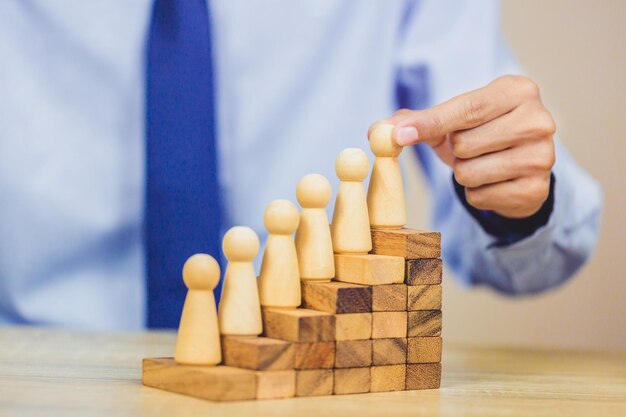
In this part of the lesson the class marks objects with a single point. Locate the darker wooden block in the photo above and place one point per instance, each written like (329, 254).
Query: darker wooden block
(424, 323)
(423, 376)
(275, 384)
(258, 353)
(216, 383)
(369, 269)
(356, 326)
(315, 355)
(424, 297)
(337, 297)
(389, 297)
(298, 325)
(407, 243)
(389, 324)
(423, 271)
(388, 378)
(389, 351)
(314, 382)
(352, 381)
(353, 353)
(424, 350)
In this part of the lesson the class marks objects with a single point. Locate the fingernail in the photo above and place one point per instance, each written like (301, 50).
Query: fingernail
(406, 136)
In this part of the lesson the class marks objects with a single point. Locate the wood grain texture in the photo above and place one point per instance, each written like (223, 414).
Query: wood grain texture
(391, 297)
(423, 376)
(407, 243)
(424, 297)
(389, 324)
(258, 353)
(216, 383)
(353, 326)
(423, 271)
(298, 325)
(275, 384)
(369, 269)
(389, 351)
(353, 353)
(315, 355)
(424, 323)
(314, 382)
(352, 381)
(337, 297)
(388, 378)
(424, 350)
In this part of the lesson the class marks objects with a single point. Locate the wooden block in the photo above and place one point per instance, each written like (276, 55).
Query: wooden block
(424, 297)
(216, 383)
(423, 376)
(258, 353)
(337, 297)
(351, 381)
(353, 326)
(313, 382)
(407, 243)
(388, 378)
(353, 353)
(298, 325)
(423, 350)
(315, 355)
(389, 297)
(389, 351)
(424, 323)
(275, 384)
(423, 271)
(369, 269)
(389, 324)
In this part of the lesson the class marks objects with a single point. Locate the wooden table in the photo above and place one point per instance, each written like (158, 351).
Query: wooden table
(47, 372)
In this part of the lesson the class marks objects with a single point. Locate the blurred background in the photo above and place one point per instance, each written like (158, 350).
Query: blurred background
(575, 50)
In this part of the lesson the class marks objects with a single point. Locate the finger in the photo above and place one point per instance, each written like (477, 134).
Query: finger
(459, 113)
(506, 131)
(518, 198)
(531, 159)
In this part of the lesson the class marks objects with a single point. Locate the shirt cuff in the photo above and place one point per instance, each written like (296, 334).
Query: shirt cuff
(506, 230)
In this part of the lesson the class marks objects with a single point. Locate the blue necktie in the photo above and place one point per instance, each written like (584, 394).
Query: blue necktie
(182, 212)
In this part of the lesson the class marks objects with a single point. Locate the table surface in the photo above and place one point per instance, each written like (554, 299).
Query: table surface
(57, 372)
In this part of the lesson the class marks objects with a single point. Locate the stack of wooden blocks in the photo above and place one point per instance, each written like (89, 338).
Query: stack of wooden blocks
(375, 328)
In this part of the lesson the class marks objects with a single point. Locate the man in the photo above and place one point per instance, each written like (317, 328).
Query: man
(118, 159)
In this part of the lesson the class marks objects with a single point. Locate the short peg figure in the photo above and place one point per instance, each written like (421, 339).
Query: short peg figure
(385, 197)
(313, 241)
(350, 228)
(239, 311)
(198, 341)
(279, 280)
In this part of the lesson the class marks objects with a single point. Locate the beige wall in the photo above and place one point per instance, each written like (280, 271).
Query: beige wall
(576, 51)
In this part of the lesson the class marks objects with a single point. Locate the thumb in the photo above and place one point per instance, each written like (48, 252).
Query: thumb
(419, 126)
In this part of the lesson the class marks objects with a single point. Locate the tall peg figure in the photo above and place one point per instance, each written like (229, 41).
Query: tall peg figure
(239, 311)
(385, 197)
(279, 280)
(198, 341)
(350, 228)
(313, 241)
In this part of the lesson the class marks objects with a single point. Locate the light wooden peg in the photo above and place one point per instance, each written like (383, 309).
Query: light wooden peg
(198, 341)
(239, 310)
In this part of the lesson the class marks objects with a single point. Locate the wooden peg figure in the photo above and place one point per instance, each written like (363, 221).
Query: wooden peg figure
(239, 311)
(385, 197)
(198, 341)
(279, 280)
(350, 228)
(313, 241)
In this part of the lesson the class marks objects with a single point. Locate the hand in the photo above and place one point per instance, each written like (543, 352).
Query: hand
(497, 139)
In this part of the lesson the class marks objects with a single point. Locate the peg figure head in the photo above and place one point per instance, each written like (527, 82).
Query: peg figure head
(352, 164)
(201, 272)
(281, 217)
(313, 191)
(240, 244)
(382, 141)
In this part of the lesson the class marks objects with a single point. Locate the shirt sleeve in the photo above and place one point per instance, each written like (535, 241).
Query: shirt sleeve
(432, 67)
